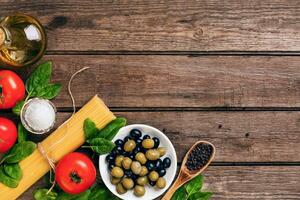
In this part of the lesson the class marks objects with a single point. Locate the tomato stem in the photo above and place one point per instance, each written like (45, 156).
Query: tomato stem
(75, 177)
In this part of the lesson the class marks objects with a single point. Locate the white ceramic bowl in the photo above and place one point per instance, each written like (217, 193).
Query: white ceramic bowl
(151, 192)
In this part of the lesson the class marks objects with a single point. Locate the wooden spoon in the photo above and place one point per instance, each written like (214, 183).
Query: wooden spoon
(185, 174)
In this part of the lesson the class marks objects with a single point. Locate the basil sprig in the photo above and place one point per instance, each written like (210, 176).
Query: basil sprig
(10, 171)
(37, 85)
(99, 140)
(192, 191)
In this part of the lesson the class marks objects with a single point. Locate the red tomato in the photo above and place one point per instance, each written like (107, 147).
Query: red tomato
(75, 173)
(12, 89)
(8, 134)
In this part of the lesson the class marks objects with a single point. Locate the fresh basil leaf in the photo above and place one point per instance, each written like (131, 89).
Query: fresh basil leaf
(39, 78)
(101, 192)
(22, 133)
(109, 131)
(90, 129)
(200, 196)
(13, 171)
(41, 194)
(101, 145)
(180, 194)
(6, 180)
(194, 185)
(17, 109)
(50, 91)
(81, 196)
(19, 152)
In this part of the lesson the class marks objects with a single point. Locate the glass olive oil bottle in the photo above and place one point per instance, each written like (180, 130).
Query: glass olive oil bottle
(22, 41)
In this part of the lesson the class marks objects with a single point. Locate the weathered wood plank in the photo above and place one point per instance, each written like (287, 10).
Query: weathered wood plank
(243, 183)
(166, 26)
(238, 136)
(254, 182)
(181, 81)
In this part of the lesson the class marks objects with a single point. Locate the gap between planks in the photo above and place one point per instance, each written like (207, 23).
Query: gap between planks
(184, 109)
(191, 109)
(177, 53)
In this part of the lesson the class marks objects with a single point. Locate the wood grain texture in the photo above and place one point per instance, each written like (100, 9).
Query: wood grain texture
(238, 136)
(253, 182)
(180, 81)
(245, 183)
(177, 25)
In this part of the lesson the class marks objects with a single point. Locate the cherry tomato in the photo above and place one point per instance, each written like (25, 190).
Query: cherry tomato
(8, 134)
(75, 173)
(12, 89)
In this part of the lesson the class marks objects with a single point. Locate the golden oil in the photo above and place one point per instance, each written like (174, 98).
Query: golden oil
(22, 41)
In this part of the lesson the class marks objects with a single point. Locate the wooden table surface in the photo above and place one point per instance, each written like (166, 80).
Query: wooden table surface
(223, 71)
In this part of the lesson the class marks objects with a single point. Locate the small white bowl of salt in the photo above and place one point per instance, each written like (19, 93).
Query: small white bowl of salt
(38, 115)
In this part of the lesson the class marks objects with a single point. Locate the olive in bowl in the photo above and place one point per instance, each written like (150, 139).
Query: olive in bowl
(146, 169)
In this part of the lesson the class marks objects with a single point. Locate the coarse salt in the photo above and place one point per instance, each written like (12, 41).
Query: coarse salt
(39, 115)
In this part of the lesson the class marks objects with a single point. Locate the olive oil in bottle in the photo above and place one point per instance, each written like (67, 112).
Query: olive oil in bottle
(22, 41)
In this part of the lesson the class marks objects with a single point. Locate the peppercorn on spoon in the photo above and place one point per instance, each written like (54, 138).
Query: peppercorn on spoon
(186, 174)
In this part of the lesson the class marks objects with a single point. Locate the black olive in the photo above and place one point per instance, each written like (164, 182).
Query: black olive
(156, 142)
(139, 142)
(119, 142)
(128, 173)
(123, 153)
(110, 158)
(146, 137)
(134, 177)
(159, 164)
(167, 162)
(152, 183)
(150, 166)
(115, 152)
(162, 172)
(127, 138)
(111, 166)
(143, 150)
(120, 149)
(137, 150)
(135, 133)
(131, 156)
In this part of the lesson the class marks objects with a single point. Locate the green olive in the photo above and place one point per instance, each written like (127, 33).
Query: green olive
(117, 172)
(144, 171)
(148, 143)
(161, 183)
(121, 189)
(127, 183)
(126, 163)
(152, 154)
(115, 181)
(141, 158)
(162, 151)
(139, 191)
(136, 167)
(118, 161)
(129, 145)
(143, 180)
(153, 176)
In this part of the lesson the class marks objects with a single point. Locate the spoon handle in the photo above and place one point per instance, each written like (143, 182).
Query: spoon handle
(172, 190)
(181, 179)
